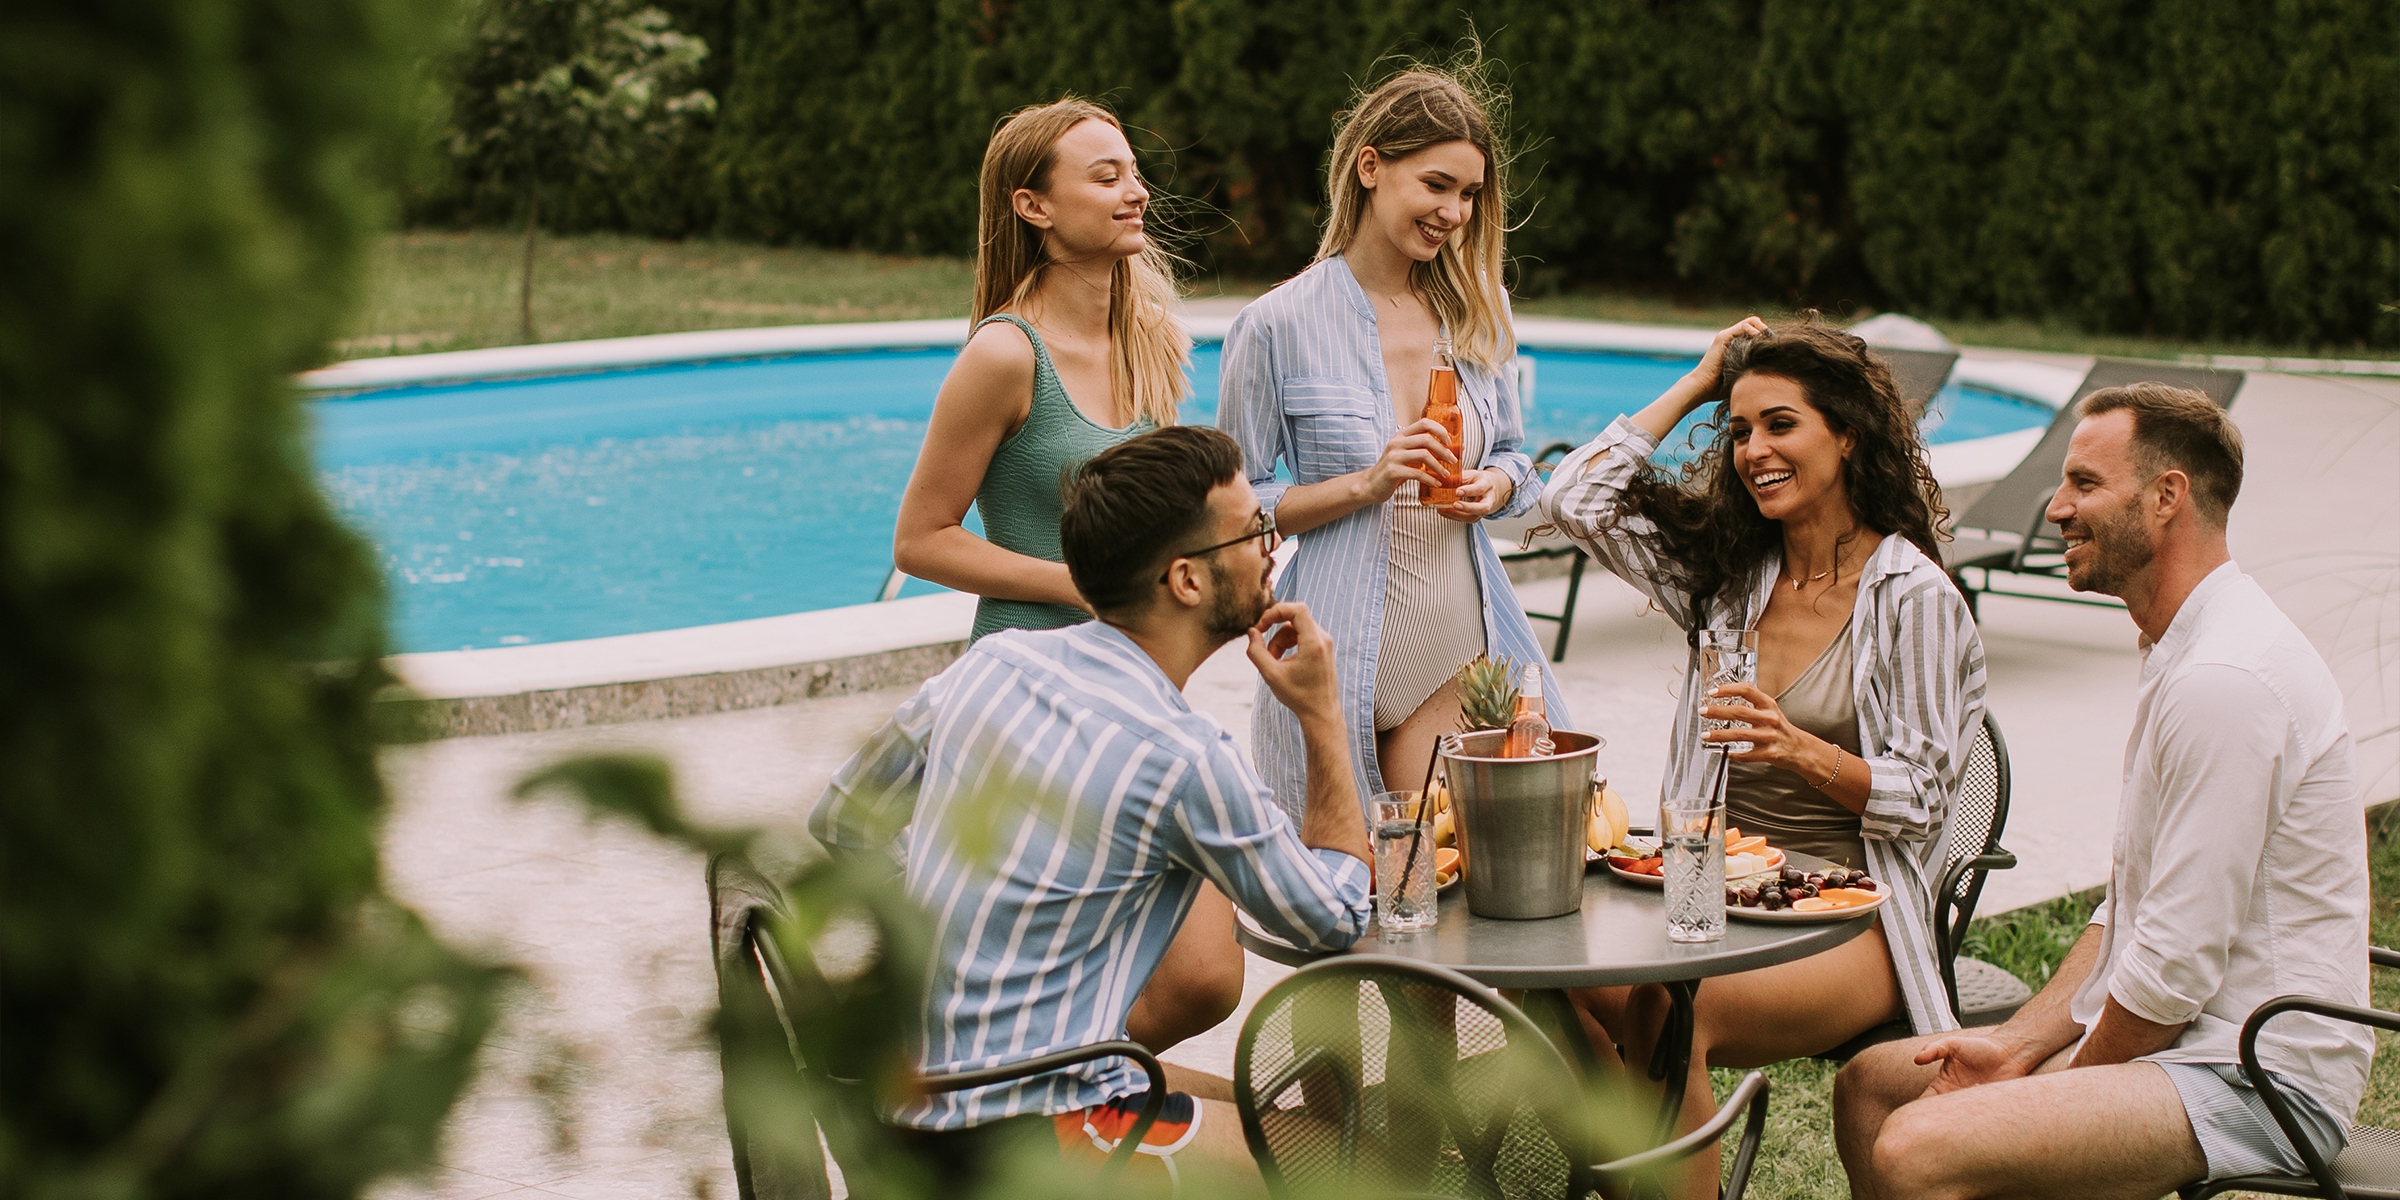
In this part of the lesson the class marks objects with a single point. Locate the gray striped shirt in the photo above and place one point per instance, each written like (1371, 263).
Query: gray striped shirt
(1917, 677)
(1303, 384)
(1061, 804)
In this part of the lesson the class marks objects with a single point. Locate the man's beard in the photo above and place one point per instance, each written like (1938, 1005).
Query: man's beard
(1234, 609)
(2120, 549)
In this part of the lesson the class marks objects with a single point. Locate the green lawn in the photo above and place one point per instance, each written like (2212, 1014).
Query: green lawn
(433, 290)
(1797, 1159)
(430, 290)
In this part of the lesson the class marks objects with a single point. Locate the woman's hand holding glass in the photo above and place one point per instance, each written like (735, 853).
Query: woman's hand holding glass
(1485, 492)
(1420, 454)
(1773, 740)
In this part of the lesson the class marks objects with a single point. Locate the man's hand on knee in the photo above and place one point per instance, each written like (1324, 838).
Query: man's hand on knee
(1968, 1060)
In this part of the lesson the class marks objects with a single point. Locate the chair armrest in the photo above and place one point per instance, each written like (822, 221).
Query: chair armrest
(1945, 895)
(2268, 1090)
(2379, 957)
(1152, 1105)
(1750, 1094)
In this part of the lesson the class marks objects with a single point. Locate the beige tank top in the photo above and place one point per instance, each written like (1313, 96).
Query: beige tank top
(1432, 604)
(1781, 805)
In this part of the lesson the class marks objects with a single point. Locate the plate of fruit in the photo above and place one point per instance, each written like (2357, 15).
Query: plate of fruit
(1448, 868)
(1638, 859)
(1803, 893)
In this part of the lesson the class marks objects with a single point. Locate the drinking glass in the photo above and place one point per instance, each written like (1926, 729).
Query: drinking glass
(1726, 656)
(1691, 831)
(1404, 899)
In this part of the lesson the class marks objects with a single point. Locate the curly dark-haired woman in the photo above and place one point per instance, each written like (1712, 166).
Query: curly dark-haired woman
(1809, 517)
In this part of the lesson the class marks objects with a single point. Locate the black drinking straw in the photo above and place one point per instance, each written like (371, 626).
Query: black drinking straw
(1416, 836)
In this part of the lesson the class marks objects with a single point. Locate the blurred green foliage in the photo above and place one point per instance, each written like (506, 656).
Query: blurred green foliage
(2163, 167)
(203, 989)
(590, 110)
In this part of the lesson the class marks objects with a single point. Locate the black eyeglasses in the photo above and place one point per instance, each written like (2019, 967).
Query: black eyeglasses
(1268, 539)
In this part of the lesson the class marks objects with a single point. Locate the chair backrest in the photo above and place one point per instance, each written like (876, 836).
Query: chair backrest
(1978, 816)
(1919, 374)
(2015, 504)
(754, 1044)
(1381, 1074)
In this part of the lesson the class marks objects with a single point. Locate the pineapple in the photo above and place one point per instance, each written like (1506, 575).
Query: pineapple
(1487, 693)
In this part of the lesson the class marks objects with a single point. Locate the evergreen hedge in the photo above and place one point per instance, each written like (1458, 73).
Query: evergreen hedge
(203, 989)
(2174, 167)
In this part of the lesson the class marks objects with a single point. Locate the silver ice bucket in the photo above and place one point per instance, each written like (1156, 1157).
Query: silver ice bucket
(1521, 822)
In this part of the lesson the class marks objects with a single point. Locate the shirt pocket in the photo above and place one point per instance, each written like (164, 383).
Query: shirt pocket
(1333, 427)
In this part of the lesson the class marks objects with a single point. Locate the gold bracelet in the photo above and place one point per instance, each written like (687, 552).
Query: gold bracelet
(1837, 771)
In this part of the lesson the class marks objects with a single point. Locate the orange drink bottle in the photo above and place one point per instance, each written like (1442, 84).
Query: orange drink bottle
(1529, 733)
(1441, 404)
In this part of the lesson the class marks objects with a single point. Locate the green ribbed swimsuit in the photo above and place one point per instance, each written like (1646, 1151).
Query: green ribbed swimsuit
(1020, 498)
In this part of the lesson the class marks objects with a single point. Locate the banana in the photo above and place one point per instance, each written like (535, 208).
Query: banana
(1620, 821)
(1445, 832)
(1598, 834)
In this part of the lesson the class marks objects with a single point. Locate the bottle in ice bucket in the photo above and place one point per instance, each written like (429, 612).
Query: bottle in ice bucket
(1529, 733)
(1441, 404)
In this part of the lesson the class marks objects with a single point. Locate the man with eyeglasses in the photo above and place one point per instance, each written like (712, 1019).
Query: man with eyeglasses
(1057, 806)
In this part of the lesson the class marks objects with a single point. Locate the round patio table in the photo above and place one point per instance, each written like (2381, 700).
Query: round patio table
(1618, 937)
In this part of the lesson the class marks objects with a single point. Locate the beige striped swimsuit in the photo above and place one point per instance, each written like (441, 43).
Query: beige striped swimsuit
(1432, 605)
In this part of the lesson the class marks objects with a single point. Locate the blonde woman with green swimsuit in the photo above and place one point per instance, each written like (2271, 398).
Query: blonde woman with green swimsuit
(1075, 349)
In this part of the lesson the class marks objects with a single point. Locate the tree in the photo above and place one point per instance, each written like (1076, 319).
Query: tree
(204, 990)
(578, 90)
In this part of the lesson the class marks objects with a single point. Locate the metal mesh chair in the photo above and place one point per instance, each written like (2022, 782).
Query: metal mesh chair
(1980, 993)
(796, 1048)
(1383, 1075)
(2369, 1167)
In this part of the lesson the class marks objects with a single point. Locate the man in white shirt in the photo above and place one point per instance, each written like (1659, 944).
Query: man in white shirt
(2239, 874)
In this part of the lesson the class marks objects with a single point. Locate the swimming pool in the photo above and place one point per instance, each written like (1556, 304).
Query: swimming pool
(526, 510)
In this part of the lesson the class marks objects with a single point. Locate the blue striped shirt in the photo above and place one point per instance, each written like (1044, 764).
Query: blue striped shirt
(1303, 383)
(1062, 803)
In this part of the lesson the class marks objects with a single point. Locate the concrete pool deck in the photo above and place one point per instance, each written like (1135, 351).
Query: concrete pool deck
(604, 1083)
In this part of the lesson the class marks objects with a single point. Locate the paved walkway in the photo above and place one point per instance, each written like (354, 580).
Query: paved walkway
(605, 1082)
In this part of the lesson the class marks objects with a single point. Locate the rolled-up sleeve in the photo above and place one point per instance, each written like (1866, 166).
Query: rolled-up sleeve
(1240, 839)
(1935, 677)
(1249, 409)
(1585, 500)
(2223, 739)
(1507, 454)
(873, 797)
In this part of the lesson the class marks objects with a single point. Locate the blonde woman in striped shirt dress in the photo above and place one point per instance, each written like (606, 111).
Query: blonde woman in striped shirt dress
(1327, 374)
(1810, 518)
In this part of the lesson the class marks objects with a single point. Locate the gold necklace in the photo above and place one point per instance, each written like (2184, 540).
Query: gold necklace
(1797, 584)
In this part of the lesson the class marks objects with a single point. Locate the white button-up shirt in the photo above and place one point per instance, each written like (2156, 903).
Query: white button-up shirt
(2240, 867)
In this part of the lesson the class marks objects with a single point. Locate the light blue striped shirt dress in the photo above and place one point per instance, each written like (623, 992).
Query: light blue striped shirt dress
(1056, 804)
(1304, 386)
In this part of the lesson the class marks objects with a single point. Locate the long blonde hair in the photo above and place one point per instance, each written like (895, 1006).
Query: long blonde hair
(1149, 352)
(1465, 280)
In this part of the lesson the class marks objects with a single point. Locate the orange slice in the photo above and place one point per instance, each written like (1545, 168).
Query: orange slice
(1445, 861)
(1848, 897)
(1745, 845)
(1733, 833)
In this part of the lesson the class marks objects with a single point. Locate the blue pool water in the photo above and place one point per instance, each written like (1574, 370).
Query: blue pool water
(540, 510)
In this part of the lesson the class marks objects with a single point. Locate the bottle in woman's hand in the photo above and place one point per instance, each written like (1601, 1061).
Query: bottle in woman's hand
(1441, 404)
